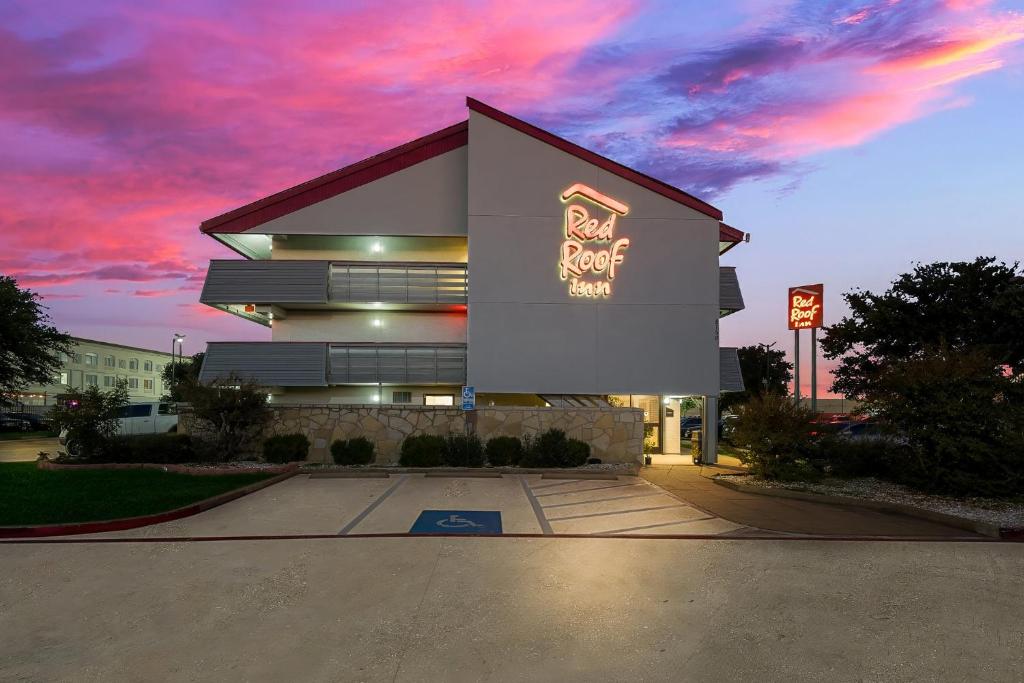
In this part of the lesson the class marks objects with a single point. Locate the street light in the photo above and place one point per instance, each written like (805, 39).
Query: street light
(178, 339)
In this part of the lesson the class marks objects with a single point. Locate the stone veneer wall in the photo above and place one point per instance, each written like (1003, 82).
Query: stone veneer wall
(614, 434)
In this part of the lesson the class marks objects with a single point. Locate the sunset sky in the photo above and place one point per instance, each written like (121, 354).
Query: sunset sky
(850, 138)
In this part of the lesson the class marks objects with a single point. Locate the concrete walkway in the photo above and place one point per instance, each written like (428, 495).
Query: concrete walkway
(693, 485)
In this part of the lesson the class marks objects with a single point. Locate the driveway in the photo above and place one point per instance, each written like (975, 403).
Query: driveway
(511, 609)
(15, 450)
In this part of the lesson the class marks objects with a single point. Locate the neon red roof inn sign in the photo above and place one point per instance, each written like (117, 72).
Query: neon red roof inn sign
(806, 307)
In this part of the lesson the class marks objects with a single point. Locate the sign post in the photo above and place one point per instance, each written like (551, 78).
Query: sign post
(806, 311)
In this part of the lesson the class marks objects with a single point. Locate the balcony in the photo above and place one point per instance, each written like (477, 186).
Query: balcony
(317, 364)
(253, 289)
(730, 298)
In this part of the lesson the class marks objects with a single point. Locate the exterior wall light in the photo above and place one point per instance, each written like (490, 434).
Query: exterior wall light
(376, 322)
(376, 248)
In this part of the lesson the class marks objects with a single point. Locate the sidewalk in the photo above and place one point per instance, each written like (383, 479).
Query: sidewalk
(693, 485)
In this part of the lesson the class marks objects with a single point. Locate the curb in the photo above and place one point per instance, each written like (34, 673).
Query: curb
(194, 470)
(989, 529)
(482, 472)
(42, 530)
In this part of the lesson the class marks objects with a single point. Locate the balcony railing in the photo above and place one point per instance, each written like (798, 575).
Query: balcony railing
(397, 364)
(398, 283)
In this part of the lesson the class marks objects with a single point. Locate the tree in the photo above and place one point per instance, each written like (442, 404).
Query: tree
(235, 410)
(764, 371)
(30, 346)
(960, 306)
(91, 418)
(180, 374)
(775, 438)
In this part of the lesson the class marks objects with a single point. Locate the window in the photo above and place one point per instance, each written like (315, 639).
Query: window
(91, 381)
(76, 357)
(121, 364)
(63, 378)
(148, 366)
(401, 397)
(438, 400)
(64, 358)
(133, 364)
(108, 381)
(92, 359)
(159, 367)
(167, 409)
(136, 410)
(147, 384)
(109, 361)
(133, 382)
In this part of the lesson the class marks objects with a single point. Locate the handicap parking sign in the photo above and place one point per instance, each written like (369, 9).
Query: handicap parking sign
(457, 522)
(468, 398)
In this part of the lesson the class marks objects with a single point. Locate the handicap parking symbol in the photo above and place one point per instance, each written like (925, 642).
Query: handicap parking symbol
(457, 522)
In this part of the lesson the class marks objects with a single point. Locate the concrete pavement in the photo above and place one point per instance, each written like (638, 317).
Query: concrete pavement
(512, 609)
(693, 485)
(17, 450)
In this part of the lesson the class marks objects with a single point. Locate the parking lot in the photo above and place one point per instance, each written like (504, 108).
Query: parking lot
(19, 450)
(526, 504)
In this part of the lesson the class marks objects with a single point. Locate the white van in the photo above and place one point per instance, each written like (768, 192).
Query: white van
(138, 418)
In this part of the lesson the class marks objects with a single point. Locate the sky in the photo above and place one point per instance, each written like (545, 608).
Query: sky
(851, 139)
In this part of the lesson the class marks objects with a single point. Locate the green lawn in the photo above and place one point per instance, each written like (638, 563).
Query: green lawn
(13, 436)
(29, 495)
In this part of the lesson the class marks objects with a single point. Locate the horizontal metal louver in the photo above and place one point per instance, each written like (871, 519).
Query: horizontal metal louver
(398, 283)
(283, 364)
(396, 364)
(730, 298)
(730, 377)
(266, 282)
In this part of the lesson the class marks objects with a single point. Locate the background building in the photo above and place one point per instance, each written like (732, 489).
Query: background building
(100, 364)
(491, 253)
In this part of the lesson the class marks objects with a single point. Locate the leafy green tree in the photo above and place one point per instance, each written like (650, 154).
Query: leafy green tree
(30, 346)
(776, 438)
(180, 374)
(91, 418)
(959, 306)
(235, 411)
(764, 371)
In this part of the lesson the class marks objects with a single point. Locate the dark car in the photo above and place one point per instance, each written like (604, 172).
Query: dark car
(38, 422)
(9, 423)
(688, 424)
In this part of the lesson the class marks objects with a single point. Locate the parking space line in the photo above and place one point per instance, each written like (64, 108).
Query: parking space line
(652, 526)
(618, 512)
(602, 500)
(593, 488)
(538, 510)
(371, 507)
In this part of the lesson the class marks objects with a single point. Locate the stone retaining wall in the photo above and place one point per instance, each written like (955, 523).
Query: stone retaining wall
(614, 434)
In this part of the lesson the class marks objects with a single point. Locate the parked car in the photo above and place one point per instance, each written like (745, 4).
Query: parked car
(38, 422)
(136, 419)
(688, 424)
(10, 423)
(867, 431)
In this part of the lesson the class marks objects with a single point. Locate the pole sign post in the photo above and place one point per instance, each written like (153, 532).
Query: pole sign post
(468, 398)
(806, 310)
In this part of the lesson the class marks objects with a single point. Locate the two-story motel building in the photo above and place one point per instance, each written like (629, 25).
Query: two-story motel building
(490, 253)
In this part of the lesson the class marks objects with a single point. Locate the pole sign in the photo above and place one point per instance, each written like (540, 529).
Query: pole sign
(806, 307)
(468, 398)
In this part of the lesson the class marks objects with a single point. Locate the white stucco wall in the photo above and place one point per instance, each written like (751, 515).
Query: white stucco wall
(428, 198)
(655, 334)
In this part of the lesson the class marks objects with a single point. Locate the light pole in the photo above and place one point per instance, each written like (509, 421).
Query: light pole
(178, 339)
(767, 365)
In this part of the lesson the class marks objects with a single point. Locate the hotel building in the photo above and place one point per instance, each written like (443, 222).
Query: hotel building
(493, 254)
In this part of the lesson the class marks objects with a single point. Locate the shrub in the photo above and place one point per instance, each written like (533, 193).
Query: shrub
(503, 451)
(91, 418)
(463, 450)
(357, 451)
(553, 449)
(235, 410)
(285, 448)
(776, 434)
(424, 450)
(845, 458)
(168, 449)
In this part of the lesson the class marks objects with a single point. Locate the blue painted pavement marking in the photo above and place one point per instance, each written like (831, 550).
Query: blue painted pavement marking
(457, 522)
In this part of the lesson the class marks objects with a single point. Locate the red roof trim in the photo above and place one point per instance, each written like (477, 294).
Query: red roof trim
(653, 184)
(342, 180)
(727, 233)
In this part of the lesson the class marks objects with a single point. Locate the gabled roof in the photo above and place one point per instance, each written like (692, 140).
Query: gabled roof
(411, 153)
(641, 179)
(337, 182)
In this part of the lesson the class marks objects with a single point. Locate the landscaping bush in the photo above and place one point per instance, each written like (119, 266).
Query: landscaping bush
(91, 417)
(776, 435)
(235, 411)
(357, 451)
(463, 450)
(503, 451)
(424, 450)
(285, 448)
(166, 449)
(845, 458)
(553, 449)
